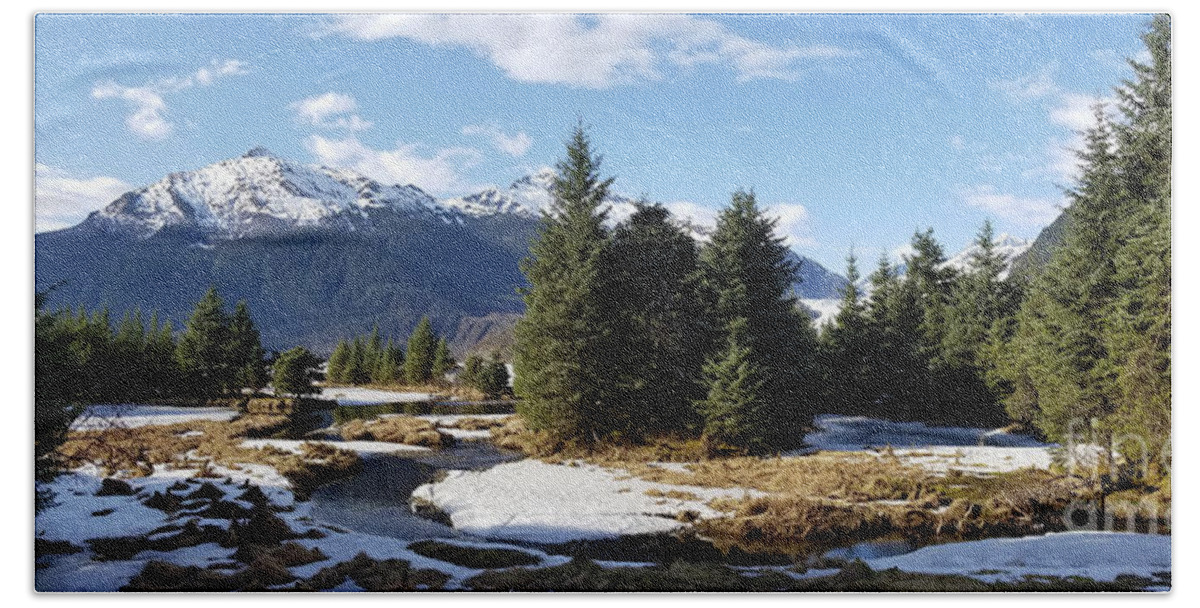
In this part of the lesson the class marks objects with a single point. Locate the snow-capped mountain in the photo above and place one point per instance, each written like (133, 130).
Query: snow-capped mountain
(528, 197)
(317, 253)
(1007, 245)
(258, 194)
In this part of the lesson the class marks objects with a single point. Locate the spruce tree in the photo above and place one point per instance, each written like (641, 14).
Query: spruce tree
(659, 324)
(295, 371)
(245, 350)
(443, 361)
(1139, 337)
(749, 270)
(845, 346)
(422, 347)
(737, 405)
(1062, 322)
(339, 363)
(563, 373)
(202, 352)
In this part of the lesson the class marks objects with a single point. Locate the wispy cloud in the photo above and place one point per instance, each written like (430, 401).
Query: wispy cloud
(1029, 87)
(439, 173)
(595, 51)
(62, 199)
(512, 145)
(1028, 211)
(330, 111)
(148, 120)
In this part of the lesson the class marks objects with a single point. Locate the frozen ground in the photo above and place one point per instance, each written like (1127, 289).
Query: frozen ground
(1101, 556)
(852, 433)
(72, 518)
(937, 449)
(99, 417)
(551, 503)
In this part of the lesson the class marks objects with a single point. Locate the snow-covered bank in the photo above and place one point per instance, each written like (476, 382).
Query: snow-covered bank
(357, 395)
(534, 501)
(77, 515)
(1101, 556)
(936, 449)
(103, 416)
(853, 433)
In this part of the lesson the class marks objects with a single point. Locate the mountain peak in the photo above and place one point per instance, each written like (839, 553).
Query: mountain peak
(258, 151)
(259, 194)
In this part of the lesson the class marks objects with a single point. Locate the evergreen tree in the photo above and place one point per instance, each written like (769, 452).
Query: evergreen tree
(422, 347)
(658, 323)
(736, 406)
(338, 369)
(443, 362)
(202, 352)
(895, 371)
(245, 350)
(162, 369)
(357, 370)
(562, 369)
(129, 357)
(748, 269)
(295, 371)
(846, 348)
(492, 379)
(387, 370)
(1139, 337)
(473, 371)
(979, 301)
(1061, 324)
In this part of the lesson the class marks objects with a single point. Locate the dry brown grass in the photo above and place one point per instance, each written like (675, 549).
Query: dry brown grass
(479, 424)
(397, 429)
(134, 451)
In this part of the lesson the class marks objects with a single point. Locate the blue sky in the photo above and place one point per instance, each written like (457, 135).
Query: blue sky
(854, 129)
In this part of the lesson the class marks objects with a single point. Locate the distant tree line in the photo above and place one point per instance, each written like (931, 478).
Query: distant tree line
(370, 360)
(83, 357)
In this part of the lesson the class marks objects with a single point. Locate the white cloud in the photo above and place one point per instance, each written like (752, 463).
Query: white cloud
(330, 111)
(439, 174)
(149, 107)
(1029, 211)
(898, 253)
(958, 143)
(1078, 112)
(62, 200)
(697, 215)
(512, 145)
(594, 51)
(1029, 87)
(794, 224)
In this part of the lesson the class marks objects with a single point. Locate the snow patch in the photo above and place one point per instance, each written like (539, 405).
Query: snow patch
(534, 501)
(1100, 556)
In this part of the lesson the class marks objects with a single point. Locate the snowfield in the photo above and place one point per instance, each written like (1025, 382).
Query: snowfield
(100, 417)
(1100, 556)
(538, 502)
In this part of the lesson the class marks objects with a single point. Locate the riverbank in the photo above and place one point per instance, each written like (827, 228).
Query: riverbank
(615, 521)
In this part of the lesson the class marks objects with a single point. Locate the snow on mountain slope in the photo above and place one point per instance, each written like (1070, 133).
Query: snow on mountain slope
(257, 194)
(1007, 245)
(529, 196)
